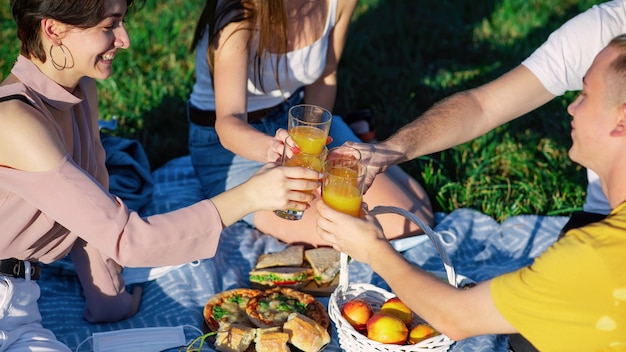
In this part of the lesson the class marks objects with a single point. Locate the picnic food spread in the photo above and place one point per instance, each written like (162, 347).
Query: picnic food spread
(270, 319)
(313, 271)
(276, 313)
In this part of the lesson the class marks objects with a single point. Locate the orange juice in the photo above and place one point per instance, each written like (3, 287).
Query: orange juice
(342, 192)
(311, 140)
(312, 162)
(342, 197)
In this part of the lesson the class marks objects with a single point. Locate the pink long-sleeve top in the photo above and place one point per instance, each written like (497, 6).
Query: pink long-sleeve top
(45, 215)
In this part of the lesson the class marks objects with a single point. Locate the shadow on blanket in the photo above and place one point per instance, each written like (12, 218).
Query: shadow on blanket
(479, 248)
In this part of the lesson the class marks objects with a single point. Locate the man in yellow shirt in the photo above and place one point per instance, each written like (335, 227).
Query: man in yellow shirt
(573, 296)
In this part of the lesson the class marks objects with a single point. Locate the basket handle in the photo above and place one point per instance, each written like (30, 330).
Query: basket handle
(432, 235)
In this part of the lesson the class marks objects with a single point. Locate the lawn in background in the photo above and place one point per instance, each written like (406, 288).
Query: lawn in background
(401, 57)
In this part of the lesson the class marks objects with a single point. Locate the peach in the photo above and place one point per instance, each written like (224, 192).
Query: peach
(394, 306)
(421, 332)
(357, 312)
(387, 328)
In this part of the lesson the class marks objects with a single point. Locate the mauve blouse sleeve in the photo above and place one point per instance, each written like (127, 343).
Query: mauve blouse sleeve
(106, 298)
(75, 200)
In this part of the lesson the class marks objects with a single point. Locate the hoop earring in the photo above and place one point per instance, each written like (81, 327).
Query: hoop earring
(54, 63)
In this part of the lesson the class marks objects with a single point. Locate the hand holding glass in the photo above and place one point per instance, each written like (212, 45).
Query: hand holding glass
(309, 126)
(344, 180)
(293, 155)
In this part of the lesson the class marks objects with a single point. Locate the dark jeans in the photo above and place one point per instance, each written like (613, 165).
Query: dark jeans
(578, 219)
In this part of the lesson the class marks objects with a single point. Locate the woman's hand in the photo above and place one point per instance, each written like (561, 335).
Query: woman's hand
(275, 149)
(357, 237)
(281, 187)
(271, 187)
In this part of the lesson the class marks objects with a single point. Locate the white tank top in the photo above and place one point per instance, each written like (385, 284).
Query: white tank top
(304, 66)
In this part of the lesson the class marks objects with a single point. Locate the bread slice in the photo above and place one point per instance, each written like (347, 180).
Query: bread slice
(290, 256)
(305, 334)
(234, 337)
(271, 340)
(325, 263)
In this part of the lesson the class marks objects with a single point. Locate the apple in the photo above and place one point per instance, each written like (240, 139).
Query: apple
(387, 328)
(357, 312)
(394, 306)
(421, 332)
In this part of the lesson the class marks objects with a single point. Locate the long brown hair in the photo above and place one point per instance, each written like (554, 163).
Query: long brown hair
(268, 17)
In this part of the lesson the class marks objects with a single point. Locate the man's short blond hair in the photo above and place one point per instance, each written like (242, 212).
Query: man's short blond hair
(616, 73)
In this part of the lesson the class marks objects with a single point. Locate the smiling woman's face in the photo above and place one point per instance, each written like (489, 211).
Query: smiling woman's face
(93, 49)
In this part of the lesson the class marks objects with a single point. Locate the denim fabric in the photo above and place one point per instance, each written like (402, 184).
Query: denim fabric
(219, 169)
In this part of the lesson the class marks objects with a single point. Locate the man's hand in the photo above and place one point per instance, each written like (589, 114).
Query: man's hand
(377, 158)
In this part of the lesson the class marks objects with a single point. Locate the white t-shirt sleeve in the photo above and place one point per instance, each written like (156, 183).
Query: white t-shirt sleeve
(562, 61)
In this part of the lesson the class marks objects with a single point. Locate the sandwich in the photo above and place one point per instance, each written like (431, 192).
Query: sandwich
(234, 337)
(290, 256)
(306, 334)
(325, 264)
(292, 277)
(271, 340)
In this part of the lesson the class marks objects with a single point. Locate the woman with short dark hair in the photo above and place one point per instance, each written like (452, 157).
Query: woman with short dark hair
(54, 197)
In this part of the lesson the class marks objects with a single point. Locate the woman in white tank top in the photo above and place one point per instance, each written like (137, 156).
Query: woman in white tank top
(254, 60)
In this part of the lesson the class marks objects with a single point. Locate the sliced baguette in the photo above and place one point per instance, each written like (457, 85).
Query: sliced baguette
(271, 340)
(234, 337)
(305, 333)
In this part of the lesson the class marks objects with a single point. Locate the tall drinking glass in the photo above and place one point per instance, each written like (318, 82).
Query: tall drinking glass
(293, 155)
(344, 180)
(309, 126)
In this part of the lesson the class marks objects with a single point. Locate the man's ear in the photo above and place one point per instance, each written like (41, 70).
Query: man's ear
(620, 127)
(52, 30)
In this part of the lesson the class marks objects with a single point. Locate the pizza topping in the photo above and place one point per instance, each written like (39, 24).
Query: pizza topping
(219, 312)
(238, 299)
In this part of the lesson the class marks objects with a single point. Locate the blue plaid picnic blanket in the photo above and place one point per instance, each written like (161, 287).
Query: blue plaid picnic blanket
(478, 246)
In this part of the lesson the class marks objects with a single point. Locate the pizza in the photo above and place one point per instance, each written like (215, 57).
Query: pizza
(229, 307)
(273, 306)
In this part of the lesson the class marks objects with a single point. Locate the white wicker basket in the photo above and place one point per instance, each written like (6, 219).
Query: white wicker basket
(353, 341)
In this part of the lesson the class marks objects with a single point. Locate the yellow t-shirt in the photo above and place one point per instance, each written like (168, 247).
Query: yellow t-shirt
(573, 296)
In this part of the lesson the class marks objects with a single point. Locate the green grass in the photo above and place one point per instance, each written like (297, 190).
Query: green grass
(401, 57)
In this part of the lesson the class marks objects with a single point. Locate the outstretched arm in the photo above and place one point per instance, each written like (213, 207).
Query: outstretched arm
(458, 313)
(459, 118)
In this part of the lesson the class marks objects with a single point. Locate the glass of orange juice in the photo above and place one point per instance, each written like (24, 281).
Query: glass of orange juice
(293, 155)
(309, 126)
(344, 180)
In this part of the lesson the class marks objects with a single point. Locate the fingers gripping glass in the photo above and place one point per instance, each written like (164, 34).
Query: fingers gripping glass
(344, 180)
(293, 155)
(309, 126)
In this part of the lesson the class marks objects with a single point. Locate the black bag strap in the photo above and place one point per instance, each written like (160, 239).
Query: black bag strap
(16, 97)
